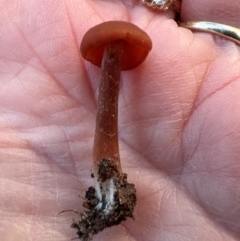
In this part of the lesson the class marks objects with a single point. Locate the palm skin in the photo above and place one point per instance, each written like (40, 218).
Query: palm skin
(178, 124)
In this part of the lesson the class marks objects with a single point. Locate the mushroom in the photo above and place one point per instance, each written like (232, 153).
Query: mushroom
(113, 46)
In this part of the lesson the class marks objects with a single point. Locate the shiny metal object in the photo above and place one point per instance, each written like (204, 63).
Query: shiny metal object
(163, 4)
(226, 31)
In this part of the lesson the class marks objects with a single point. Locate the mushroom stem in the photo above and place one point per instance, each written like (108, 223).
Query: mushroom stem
(106, 133)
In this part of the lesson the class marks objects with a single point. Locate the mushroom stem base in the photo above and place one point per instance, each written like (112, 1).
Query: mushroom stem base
(111, 202)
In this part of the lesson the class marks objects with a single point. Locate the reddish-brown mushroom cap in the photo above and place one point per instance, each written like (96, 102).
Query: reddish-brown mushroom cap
(136, 43)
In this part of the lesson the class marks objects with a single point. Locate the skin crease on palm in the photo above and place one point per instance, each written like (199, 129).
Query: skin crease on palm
(179, 122)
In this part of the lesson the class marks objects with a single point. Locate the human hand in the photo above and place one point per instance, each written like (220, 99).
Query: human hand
(178, 122)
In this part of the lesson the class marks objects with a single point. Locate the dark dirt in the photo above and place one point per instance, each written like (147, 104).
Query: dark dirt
(103, 213)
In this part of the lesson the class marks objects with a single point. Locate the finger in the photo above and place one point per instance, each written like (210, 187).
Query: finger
(225, 11)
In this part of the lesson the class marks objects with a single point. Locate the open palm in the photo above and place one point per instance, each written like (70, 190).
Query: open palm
(179, 123)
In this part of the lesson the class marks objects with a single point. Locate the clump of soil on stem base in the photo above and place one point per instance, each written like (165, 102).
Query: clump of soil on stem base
(110, 202)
